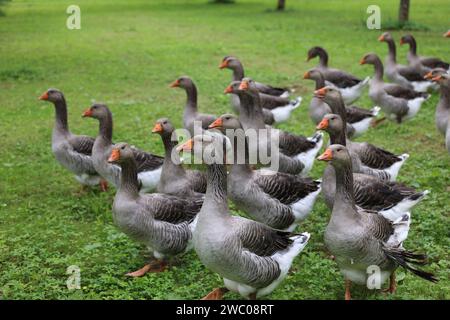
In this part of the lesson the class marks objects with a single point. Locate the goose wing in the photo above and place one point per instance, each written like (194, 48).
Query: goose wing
(372, 193)
(82, 144)
(341, 79)
(146, 161)
(261, 239)
(292, 145)
(356, 114)
(286, 188)
(268, 89)
(398, 91)
(410, 74)
(172, 209)
(377, 158)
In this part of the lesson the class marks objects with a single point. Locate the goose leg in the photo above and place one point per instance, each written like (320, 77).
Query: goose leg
(154, 266)
(252, 296)
(392, 284)
(216, 294)
(377, 122)
(348, 284)
(103, 185)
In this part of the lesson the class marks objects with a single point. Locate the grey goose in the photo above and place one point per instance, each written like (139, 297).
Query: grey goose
(149, 166)
(161, 222)
(350, 86)
(251, 257)
(362, 240)
(73, 152)
(279, 200)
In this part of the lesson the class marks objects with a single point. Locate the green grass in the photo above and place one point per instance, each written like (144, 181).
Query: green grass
(126, 54)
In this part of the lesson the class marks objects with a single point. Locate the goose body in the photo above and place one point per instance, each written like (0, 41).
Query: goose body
(251, 257)
(191, 117)
(420, 61)
(161, 222)
(279, 107)
(350, 86)
(366, 157)
(149, 166)
(296, 153)
(407, 76)
(73, 152)
(277, 199)
(358, 119)
(360, 239)
(397, 102)
(175, 179)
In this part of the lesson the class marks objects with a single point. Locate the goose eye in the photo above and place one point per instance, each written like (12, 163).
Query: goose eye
(165, 122)
(123, 148)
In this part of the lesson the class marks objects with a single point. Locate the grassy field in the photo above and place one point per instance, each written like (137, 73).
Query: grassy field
(125, 55)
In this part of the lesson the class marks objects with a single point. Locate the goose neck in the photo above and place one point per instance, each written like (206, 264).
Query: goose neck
(216, 190)
(129, 183)
(61, 124)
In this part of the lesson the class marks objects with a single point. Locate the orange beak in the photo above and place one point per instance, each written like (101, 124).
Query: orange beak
(323, 124)
(306, 75)
(428, 76)
(402, 42)
(326, 156)
(228, 89)
(320, 93)
(175, 84)
(447, 34)
(157, 128)
(362, 61)
(187, 146)
(381, 38)
(218, 123)
(223, 64)
(44, 96)
(115, 155)
(243, 85)
(87, 113)
(437, 78)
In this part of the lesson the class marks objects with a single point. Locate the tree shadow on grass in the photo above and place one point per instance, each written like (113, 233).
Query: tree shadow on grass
(2, 3)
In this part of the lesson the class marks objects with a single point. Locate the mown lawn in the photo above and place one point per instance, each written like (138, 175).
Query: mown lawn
(126, 54)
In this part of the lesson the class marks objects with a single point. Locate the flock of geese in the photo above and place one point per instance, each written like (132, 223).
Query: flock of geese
(170, 209)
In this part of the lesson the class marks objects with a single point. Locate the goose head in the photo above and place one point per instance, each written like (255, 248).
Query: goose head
(331, 123)
(233, 87)
(385, 37)
(315, 52)
(209, 147)
(313, 74)
(329, 95)
(163, 127)
(370, 58)
(96, 111)
(230, 62)
(121, 153)
(248, 85)
(407, 39)
(226, 121)
(52, 95)
(337, 155)
(182, 82)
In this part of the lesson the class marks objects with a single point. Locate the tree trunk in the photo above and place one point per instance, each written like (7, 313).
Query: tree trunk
(403, 12)
(281, 4)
